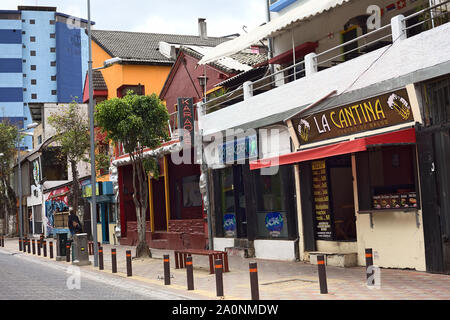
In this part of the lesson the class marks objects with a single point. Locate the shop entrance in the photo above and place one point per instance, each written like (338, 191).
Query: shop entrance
(232, 205)
(341, 197)
(332, 204)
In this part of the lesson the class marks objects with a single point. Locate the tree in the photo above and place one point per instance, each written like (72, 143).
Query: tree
(9, 136)
(136, 122)
(72, 135)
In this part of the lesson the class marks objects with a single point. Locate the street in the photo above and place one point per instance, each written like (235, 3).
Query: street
(28, 278)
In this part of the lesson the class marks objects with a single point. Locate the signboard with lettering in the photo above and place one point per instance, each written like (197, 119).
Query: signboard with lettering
(239, 149)
(186, 121)
(324, 230)
(373, 113)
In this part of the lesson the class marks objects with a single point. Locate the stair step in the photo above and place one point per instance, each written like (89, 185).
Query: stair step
(349, 259)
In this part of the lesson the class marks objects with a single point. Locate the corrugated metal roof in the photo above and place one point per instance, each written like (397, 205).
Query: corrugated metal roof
(290, 19)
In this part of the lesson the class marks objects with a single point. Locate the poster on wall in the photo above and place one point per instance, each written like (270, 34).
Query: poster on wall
(229, 224)
(324, 230)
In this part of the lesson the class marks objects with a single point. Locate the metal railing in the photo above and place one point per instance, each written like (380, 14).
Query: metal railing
(359, 50)
(428, 18)
(173, 125)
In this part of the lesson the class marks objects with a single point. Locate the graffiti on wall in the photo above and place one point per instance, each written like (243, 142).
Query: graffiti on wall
(56, 201)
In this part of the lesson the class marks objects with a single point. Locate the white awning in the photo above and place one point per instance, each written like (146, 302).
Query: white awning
(308, 9)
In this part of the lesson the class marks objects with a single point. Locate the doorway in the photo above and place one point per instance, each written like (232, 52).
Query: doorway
(232, 203)
(341, 197)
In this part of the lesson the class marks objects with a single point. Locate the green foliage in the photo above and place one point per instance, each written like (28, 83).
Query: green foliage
(72, 132)
(136, 121)
(9, 136)
(102, 161)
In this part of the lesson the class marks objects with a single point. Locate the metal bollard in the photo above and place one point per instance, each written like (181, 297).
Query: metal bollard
(190, 273)
(253, 268)
(219, 277)
(114, 260)
(44, 248)
(38, 247)
(166, 261)
(100, 258)
(129, 268)
(51, 250)
(3, 241)
(369, 267)
(322, 275)
(29, 245)
(68, 252)
(91, 248)
(20, 244)
(34, 246)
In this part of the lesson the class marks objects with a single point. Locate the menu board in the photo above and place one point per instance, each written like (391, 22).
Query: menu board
(324, 229)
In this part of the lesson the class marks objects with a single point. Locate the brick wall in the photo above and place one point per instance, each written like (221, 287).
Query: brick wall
(187, 226)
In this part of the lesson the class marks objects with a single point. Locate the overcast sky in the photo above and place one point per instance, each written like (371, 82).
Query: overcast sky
(223, 17)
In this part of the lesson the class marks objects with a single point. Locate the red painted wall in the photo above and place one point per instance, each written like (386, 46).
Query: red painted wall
(181, 85)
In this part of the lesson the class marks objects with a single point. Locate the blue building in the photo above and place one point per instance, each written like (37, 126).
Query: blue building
(43, 59)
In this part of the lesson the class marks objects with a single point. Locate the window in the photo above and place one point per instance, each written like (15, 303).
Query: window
(52, 22)
(52, 49)
(138, 89)
(33, 67)
(53, 78)
(32, 21)
(191, 192)
(33, 81)
(24, 89)
(387, 178)
(23, 32)
(52, 35)
(32, 39)
(54, 92)
(33, 53)
(39, 139)
(34, 96)
(53, 64)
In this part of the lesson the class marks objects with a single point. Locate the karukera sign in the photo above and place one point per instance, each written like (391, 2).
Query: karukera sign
(373, 113)
(186, 121)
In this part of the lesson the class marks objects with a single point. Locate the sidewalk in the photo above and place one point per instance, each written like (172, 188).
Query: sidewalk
(278, 280)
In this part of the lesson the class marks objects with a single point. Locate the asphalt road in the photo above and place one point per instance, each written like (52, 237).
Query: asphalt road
(25, 277)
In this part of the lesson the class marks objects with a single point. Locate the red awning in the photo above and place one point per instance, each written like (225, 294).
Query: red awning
(396, 137)
(300, 51)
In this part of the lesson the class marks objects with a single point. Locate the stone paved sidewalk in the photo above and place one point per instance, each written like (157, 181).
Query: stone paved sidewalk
(278, 280)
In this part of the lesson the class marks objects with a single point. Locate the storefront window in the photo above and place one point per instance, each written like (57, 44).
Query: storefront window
(228, 202)
(387, 178)
(191, 192)
(271, 211)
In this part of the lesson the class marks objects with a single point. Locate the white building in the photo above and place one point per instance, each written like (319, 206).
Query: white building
(350, 113)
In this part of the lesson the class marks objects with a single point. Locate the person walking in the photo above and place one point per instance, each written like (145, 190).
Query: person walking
(74, 223)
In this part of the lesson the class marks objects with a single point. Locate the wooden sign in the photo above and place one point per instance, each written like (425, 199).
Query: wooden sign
(186, 121)
(374, 113)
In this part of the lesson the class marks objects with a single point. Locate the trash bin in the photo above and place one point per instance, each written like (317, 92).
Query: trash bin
(61, 242)
(80, 250)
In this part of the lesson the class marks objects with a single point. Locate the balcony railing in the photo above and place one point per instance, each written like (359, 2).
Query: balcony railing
(400, 27)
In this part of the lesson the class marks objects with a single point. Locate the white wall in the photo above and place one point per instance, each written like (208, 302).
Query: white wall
(275, 250)
(403, 59)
